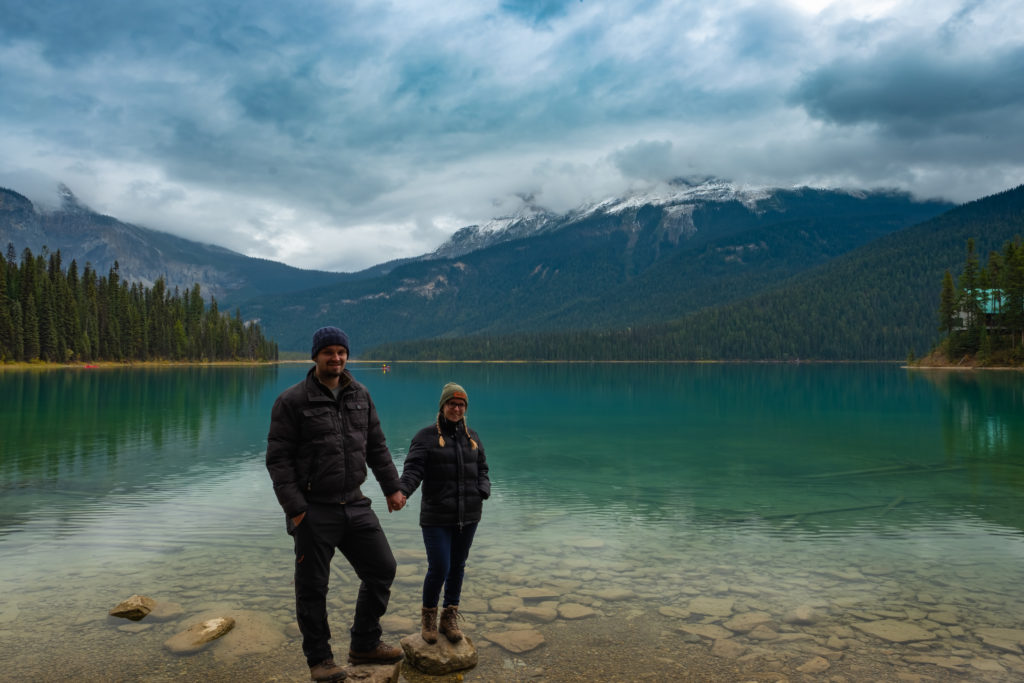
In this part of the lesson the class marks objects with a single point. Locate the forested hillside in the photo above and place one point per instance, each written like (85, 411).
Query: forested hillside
(879, 302)
(52, 313)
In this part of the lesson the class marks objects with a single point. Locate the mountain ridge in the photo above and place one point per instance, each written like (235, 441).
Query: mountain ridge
(876, 302)
(597, 264)
(143, 254)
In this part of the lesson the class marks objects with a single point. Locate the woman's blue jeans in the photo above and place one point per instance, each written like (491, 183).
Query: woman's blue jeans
(447, 550)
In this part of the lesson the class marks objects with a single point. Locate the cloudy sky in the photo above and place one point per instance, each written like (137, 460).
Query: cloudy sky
(337, 134)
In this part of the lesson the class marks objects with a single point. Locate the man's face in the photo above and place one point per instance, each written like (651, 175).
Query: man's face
(330, 361)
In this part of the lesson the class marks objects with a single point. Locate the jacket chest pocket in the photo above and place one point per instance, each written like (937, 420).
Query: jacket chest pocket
(358, 413)
(319, 422)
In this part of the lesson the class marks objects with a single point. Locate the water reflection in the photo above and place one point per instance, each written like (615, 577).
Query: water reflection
(83, 434)
(983, 433)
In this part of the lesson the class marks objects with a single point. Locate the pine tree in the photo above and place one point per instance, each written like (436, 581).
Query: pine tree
(971, 303)
(947, 305)
(31, 327)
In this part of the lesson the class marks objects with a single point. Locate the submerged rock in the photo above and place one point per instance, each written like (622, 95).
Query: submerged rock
(572, 610)
(895, 631)
(815, 665)
(374, 673)
(199, 635)
(727, 648)
(442, 657)
(674, 612)
(135, 608)
(517, 641)
(537, 593)
(540, 614)
(1005, 639)
(709, 631)
(804, 614)
(715, 607)
(165, 611)
(615, 594)
(748, 621)
(506, 603)
(394, 623)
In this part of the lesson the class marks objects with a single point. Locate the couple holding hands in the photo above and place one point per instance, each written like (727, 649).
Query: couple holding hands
(324, 435)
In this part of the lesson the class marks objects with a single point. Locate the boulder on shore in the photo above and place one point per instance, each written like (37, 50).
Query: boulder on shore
(442, 657)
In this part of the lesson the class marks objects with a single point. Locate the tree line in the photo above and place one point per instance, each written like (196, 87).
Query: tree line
(982, 312)
(57, 314)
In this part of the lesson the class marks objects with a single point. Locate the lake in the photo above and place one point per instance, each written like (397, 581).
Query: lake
(753, 519)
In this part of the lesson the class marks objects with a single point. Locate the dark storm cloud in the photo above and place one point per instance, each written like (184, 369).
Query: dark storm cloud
(912, 92)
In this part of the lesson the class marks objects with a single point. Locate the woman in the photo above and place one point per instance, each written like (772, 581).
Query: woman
(448, 459)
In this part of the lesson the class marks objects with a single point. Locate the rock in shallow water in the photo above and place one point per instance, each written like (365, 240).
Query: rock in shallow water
(716, 607)
(374, 673)
(198, 636)
(895, 631)
(573, 610)
(517, 641)
(135, 608)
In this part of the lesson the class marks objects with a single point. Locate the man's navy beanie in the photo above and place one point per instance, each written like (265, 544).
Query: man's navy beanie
(328, 336)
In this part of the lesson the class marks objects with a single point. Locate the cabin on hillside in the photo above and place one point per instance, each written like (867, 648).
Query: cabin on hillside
(993, 304)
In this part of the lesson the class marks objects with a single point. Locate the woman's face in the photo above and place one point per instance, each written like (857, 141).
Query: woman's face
(454, 410)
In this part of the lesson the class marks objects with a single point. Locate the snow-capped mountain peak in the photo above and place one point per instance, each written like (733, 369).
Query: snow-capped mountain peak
(678, 198)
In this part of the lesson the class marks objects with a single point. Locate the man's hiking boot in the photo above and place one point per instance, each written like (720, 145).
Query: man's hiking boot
(326, 670)
(428, 619)
(381, 654)
(449, 623)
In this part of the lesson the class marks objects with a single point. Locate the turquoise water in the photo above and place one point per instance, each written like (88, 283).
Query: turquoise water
(793, 484)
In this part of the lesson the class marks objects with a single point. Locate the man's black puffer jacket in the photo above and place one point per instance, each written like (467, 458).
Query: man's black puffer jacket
(318, 448)
(454, 476)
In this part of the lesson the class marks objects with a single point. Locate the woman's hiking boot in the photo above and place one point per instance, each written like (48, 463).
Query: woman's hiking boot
(449, 623)
(428, 618)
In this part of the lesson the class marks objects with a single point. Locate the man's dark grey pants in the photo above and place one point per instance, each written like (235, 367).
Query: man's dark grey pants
(354, 530)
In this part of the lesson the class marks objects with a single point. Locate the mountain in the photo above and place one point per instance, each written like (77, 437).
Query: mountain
(624, 262)
(532, 220)
(142, 254)
(877, 302)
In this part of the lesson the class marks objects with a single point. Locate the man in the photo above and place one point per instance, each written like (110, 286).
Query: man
(324, 432)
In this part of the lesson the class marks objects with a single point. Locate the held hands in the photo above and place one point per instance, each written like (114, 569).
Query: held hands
(396, 501)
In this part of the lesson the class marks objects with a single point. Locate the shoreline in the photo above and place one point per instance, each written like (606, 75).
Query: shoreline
(98, 365)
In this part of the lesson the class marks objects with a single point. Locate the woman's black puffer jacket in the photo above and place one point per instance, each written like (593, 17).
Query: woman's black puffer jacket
(454, 476)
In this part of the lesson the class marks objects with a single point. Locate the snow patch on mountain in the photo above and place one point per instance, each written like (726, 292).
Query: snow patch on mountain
(678, 200)
(710, 191)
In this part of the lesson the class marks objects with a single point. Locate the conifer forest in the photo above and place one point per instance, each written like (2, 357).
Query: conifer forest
(53, 313)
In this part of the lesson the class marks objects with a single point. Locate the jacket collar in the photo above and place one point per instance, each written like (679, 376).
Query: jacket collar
(449, 427)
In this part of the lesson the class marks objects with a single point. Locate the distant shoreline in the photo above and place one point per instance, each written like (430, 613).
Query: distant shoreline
(104, 364)
(43, 365)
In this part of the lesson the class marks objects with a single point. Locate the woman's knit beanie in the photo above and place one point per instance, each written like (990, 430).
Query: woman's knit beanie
(450, 391)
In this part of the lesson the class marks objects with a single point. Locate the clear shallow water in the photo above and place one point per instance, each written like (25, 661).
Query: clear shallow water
(859, 490)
